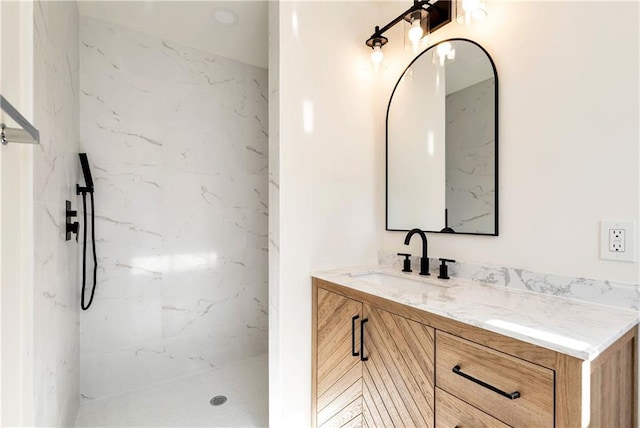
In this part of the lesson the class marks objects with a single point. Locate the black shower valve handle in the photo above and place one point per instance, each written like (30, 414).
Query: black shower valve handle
(70, 227)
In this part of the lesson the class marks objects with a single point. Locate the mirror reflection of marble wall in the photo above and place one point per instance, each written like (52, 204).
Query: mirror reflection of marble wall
(470, 158)
(441, 143)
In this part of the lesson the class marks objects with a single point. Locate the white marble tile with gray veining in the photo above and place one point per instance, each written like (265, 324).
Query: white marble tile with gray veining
(626, 296)
(177, 139)
(55, 174)
(470, 158)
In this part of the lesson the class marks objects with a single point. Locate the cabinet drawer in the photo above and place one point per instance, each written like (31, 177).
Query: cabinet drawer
(483, 372)
(452, 412)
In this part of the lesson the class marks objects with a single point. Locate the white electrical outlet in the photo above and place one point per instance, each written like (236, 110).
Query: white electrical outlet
(617, 240)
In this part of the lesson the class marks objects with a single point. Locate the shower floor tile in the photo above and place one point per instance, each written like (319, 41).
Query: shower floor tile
(184, 402)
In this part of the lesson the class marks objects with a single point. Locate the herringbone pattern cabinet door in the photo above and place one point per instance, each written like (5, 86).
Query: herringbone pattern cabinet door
(399, 373)
(339, 375)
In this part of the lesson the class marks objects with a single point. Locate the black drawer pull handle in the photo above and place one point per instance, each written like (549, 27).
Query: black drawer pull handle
(362, 323)
(353, 336)
(509, 395)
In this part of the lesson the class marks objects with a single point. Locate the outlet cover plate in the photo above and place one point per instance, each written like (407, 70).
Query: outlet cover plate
(617, 240)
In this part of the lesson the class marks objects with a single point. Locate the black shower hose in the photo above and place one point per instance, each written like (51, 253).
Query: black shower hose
(84, 251)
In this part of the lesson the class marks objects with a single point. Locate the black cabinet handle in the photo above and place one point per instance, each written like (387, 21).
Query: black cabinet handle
(509, 395)
(353, 336)
(362, 323)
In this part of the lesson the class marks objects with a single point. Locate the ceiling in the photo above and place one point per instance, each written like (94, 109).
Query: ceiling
(191, 23)
(470, 67)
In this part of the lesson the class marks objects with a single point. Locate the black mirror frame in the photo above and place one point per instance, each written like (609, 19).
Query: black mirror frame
(386, 147)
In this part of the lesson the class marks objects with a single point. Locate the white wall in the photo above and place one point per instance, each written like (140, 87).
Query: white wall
(568, 99)
(326, 179)
(566, 104)
(275, 369)
(16, 219)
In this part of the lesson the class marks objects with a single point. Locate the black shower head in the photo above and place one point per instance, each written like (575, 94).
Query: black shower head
(86, 171)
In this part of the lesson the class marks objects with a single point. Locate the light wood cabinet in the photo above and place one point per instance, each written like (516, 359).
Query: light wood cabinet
(379, 363)
(398, 371)
(508, 388)
(371, 367)
(453, 412)
(339, 372)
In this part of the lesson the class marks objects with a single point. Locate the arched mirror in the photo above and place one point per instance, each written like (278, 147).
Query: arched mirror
(442, 142)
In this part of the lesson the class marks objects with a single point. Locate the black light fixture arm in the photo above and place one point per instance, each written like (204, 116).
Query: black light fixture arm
(417, 5)
(442, 17)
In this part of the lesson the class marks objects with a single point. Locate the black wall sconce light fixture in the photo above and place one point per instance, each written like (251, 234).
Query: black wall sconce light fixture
(424, 18)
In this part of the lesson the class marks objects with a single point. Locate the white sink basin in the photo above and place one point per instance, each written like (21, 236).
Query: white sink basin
(399, 283)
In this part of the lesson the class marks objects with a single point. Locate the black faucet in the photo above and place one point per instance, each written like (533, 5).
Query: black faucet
(424, 260)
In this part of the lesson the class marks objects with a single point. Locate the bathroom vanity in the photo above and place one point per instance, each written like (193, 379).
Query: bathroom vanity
(394, 349)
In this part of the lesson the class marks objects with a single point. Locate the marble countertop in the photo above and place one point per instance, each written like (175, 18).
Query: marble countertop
(573, 327)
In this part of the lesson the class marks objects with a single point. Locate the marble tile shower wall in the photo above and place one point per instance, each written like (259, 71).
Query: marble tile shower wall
(177, 139)
(55, 174)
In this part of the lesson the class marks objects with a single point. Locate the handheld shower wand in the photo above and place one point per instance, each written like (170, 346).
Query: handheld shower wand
(88, 180)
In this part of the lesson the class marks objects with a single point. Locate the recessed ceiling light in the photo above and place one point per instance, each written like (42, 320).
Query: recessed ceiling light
(225, 16)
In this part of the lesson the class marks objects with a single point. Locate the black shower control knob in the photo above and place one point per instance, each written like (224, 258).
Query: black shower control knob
(71, 227)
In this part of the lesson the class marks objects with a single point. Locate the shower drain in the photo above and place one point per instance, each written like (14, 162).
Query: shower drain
(218, 400)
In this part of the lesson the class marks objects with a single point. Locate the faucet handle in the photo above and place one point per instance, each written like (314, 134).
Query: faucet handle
(406, 262)
(444, 271)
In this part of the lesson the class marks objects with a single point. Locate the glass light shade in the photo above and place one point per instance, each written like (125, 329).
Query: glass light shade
(415, 32)
(471, 11)
(377, 56)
